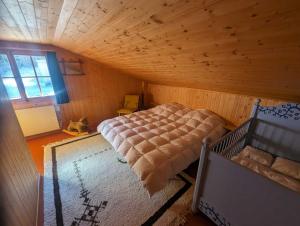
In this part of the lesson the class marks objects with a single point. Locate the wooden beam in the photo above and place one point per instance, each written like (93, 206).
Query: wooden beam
(54, 10)
(64, 17)
(29, 14)
(13, 45)
(41, 14)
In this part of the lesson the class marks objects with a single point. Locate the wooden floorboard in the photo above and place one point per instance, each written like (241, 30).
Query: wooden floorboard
(198, 220)
(36, 146)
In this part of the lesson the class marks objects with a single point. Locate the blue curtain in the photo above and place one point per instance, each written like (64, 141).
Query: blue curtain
(58, 83)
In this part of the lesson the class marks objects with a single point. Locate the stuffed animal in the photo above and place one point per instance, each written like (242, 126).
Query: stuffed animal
(80, 126)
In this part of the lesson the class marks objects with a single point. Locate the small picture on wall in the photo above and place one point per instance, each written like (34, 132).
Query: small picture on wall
(71, 67)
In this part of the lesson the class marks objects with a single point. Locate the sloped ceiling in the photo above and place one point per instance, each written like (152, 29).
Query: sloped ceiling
(240, 46)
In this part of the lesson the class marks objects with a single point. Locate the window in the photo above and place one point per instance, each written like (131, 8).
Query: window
(30, 78)
(8, 78)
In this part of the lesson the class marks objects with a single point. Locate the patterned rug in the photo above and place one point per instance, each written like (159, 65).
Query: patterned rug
(86, 183)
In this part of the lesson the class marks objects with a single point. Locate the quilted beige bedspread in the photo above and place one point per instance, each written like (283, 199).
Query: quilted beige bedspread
(160, 142)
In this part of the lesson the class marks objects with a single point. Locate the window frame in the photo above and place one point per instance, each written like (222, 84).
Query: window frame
(24, 101)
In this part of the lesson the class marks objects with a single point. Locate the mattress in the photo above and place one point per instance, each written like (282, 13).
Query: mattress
(160, 142)
(266, 171)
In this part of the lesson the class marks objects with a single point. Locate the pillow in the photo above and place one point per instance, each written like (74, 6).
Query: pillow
(287, 167)
(284, 180)
(263, 170)
(251, 164)
(262, 157)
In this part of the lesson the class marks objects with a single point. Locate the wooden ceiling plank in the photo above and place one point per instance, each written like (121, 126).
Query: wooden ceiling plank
(115, 17)
(234, 45)
(9, 30)
(15, 11)
(54, 10)
(5, 29)
(134, 26)
(64, 17)
(102, 31)
(10, 22)
(99, 10)
(41, 13)
(29, 15)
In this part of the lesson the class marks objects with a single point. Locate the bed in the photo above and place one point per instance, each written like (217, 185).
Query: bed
(160, 142)
(231, 193)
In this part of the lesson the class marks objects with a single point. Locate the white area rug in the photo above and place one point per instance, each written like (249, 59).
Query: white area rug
(86, 184)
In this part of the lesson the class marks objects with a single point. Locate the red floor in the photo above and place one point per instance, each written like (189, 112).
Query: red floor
(37, 150)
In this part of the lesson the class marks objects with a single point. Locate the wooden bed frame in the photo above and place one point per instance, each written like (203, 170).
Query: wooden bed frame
(230, 194)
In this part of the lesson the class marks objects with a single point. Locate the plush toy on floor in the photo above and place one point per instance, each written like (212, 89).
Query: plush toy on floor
(78, 128)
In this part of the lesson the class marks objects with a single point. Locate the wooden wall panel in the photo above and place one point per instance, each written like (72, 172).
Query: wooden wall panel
(18, 175)
(241, 46)
(232, 107)
(97, 94)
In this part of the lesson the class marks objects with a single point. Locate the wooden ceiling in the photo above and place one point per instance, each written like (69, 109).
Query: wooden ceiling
(240, 46)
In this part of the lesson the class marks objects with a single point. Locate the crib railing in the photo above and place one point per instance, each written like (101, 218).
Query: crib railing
(227, 146)
(233, 142)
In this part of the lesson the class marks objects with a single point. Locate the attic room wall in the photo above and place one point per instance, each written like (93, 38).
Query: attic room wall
(18, 175)
(98, 94)
(232, 107)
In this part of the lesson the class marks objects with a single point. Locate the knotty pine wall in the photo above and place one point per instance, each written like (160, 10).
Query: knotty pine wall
(232, 107)
(98, 94)
(18, 175)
